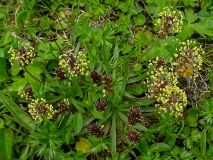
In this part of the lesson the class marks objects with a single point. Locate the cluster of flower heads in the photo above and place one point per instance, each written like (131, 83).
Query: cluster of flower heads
(38, 108)
(162, 86)
(108, 83)
(171, 21)
(75, 65)
(134, 117)
(23, 55)
(188, 60)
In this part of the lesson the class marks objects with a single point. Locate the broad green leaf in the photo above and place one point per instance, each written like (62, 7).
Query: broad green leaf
(192, 117)
(78, 122)
(141, 127)
(83, 145)
(6, 143)
(45, 22)
(206, 17)
(97, 114)
(19, 83)
(190, 16)
(123, 7)
(159, 147)
(18, 113)
(143, 146)
(137, 67)
(3, 76)
(202, 29)
(22, 16)
(191, 3)
(15, 69)
(6, 38)
(140, 19)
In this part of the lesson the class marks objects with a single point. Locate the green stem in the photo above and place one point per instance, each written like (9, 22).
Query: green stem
(25, 69)
(58, 47)
(145, 53)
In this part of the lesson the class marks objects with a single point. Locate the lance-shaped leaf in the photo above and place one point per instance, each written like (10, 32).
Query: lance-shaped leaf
(18, 113)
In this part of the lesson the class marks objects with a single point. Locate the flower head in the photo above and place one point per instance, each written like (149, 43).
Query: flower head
(39, 109)
(188, 60)
(26, 93)
(100, 105)
(134, 137)
(95, 130)
(171, 21)
(133, 116)
(23, 55)
(75, 65)
(63, 106)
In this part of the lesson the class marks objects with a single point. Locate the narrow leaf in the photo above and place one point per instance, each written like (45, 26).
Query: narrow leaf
(18, 113)
(6, 143)
(97, 114)
(203, 142)
(141, 127)
(114, 134)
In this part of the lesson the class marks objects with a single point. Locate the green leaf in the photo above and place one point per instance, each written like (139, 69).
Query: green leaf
(45, 22)
(140, 19)
(143, 146)
(123, 7)
(192, 3)
(19, 83)
(190, 16)
(114, 148)
(202, 29)
(1, 123)
(192, 117)
(77, 106)
(22, 16)
(1, 53)
(25, 152)
(159, 147)
(18, 113)
(78, 122)
(97, 114)
(6, 38)
(203, 142)
(83, 145)
(6, 143)
(3, 76)
(15, 69)
(141, 127)
(206, 17)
